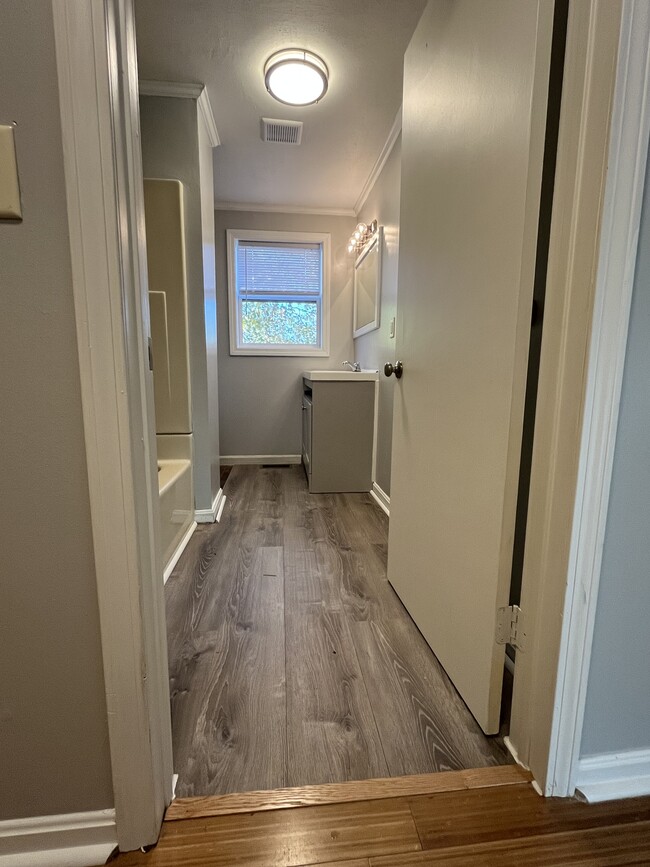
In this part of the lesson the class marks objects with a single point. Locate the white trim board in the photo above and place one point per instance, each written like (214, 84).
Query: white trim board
(209, 516)
(172, 89)
(233, 460)
(96, 71)
(621, 216)
(182, 545)
(546, 721)
(205, 111)
(258, 207)
(185, 90)
(614, 775)
(68, 840)
(382, 159)
(381, 498)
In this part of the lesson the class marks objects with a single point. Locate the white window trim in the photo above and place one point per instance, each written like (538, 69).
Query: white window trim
(235, 235)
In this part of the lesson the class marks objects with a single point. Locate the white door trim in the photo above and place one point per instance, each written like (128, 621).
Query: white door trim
(99, 95)
(621, 217)
(601, 159)
(97, 72)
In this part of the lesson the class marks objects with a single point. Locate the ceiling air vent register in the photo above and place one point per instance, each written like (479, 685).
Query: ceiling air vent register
(282, 131)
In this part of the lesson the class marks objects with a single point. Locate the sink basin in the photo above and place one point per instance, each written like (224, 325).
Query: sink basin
(341, 375)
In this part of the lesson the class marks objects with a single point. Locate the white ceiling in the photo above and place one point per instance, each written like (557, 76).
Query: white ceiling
(224, 44)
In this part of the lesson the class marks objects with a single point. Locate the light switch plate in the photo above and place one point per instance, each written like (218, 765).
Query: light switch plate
(9, 190)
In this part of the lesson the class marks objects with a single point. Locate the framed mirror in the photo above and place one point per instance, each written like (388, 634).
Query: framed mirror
(367, 286)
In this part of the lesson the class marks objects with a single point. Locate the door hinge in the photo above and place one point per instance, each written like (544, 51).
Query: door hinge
(510, 627)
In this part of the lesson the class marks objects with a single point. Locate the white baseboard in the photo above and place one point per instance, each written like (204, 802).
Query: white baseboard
(381, 498)
(232, 460)
(169, 568)
(69, 840)
(614, 775)
(209, 516)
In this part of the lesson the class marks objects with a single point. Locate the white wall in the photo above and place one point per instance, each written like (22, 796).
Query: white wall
(373, 350)
(259, 398)
(170, 149)
(617, 713)
(210, 307)
(54, 750)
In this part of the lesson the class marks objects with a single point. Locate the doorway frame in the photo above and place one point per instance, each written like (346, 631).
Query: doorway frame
(98, 94)
(97, 68)
(602, 152)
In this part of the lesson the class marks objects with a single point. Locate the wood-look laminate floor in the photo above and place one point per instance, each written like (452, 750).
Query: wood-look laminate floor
(481, 824)
(292, 660)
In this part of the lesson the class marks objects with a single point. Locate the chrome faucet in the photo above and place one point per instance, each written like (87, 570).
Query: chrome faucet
(353, 365)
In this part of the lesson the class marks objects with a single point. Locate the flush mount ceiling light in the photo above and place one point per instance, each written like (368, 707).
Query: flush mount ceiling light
(296, 77)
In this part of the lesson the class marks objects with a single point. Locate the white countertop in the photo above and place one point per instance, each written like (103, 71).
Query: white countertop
(341, 375)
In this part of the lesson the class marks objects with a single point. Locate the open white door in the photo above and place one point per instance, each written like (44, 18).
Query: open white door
(475, 98)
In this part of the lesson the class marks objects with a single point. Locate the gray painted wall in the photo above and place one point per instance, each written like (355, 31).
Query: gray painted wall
(53, 729)
(617, 715)
(210, 305)
(170, 149)
(259, 398)
(376, 348)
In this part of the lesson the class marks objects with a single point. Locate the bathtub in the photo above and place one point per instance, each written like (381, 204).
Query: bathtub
(176, 492)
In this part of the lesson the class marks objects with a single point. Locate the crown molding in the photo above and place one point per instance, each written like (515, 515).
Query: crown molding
(205, 110)
(180, 89)
(186, 90)
(252, 207)
(393, 135)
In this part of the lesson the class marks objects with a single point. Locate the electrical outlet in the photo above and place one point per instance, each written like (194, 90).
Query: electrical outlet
(391, 328)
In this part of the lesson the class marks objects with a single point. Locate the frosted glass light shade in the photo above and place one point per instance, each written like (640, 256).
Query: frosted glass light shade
(296, 77)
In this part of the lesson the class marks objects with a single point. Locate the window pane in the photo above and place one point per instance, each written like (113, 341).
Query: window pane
(280, 323)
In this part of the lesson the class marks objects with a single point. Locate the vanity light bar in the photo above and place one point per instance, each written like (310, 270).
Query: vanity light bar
(361, 235)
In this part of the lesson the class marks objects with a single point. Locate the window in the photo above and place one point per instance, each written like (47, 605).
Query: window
(278, 293)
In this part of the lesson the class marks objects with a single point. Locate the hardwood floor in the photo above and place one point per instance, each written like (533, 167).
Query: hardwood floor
(472, 823)
(339, 793)
(292, 661)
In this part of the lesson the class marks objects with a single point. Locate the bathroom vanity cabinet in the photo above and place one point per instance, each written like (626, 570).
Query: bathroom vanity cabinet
(338, 420)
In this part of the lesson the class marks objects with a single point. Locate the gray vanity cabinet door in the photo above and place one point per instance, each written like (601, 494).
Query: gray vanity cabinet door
(342, 429)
